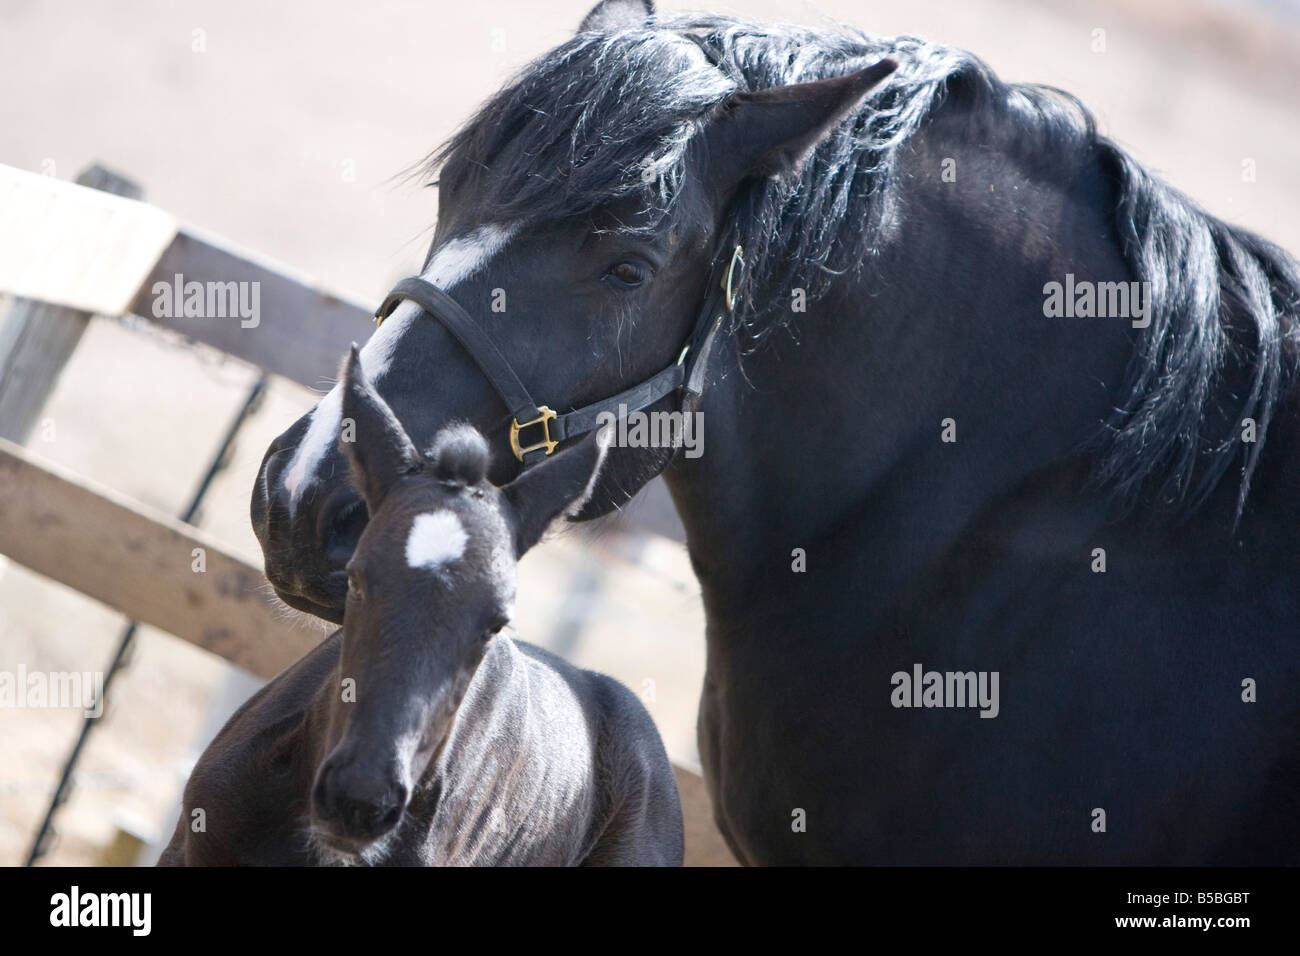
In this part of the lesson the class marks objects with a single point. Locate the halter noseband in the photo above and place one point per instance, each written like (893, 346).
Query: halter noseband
(688, 372)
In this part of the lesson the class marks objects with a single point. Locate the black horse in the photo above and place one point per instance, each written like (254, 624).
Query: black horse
(997, 568)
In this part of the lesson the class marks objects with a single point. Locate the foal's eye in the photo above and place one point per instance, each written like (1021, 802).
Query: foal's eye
(354, 586)
(629, 275)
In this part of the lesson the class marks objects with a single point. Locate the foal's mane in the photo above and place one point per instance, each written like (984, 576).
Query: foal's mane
(610, 116)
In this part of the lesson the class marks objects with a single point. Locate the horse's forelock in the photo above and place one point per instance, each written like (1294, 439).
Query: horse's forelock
(598, 119)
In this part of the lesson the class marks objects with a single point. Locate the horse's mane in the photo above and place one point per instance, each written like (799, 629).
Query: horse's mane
(605, 117)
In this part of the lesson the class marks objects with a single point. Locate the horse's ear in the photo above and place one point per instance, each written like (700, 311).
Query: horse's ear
(376, 446)
(558, 485)
(770, 132)
(610, 16)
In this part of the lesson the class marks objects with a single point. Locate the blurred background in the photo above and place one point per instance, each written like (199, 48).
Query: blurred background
(285, 127)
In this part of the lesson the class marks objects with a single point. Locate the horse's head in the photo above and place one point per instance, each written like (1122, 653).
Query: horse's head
(583, 219)
(431, 580)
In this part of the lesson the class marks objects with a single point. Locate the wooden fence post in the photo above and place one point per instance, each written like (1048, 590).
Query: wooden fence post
(37, 339)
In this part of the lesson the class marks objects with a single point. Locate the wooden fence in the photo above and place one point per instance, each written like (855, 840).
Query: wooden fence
(70, 251)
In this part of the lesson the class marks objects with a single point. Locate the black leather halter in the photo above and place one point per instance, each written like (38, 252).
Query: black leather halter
(687, 373)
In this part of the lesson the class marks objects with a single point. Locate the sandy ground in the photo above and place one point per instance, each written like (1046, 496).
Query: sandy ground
(282, 125)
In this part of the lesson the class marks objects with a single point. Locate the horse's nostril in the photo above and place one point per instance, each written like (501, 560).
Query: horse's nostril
(390, 817)
(344, 530)
(270, 501)
(366, 819)
(396, 805)
(377, 817)
(345, 803)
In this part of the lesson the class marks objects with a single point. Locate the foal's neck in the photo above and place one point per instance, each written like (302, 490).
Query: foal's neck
(499, 775)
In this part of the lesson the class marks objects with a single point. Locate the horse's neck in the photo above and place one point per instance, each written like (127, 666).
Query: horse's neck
(835, 443)
(511, 764)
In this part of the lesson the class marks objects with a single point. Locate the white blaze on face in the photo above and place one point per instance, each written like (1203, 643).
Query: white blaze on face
(436, 539)
(461, 258)
(454, 262)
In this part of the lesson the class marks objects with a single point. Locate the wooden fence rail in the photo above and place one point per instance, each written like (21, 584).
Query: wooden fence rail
(143, 563)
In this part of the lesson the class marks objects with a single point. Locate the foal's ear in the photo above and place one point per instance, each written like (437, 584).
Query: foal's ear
(373, 441)
(609, 16)
(558, 484)
(770, 132)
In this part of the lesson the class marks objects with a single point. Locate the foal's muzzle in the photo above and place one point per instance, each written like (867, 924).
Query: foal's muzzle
(354, 806)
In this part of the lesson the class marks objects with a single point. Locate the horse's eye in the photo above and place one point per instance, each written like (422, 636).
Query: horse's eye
(354, 585)
(629, 274)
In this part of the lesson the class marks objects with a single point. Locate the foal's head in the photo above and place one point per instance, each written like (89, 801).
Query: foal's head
(431, 581)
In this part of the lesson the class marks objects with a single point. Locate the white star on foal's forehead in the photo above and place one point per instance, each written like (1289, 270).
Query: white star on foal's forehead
(435, 540)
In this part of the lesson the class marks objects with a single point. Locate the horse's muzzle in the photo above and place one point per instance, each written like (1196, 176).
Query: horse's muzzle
(306, 541)
(351, 808)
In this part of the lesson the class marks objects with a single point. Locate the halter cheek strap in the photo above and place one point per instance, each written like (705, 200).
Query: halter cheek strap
(688, 372)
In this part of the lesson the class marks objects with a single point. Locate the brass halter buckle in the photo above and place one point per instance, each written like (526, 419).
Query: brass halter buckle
(544, 420)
